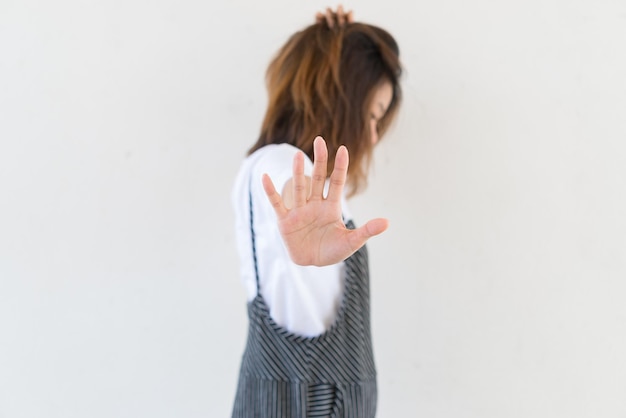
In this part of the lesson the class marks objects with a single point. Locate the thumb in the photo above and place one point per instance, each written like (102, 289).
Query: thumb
(374, 227)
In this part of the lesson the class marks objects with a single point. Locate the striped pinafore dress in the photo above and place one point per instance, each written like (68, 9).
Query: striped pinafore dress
(286, 375)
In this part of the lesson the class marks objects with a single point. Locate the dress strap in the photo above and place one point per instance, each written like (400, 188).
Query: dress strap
(254, 258)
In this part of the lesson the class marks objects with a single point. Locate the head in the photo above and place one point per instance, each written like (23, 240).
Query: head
(341, 83)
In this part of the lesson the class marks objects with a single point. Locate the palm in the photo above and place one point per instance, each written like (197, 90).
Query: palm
(314, 233)
(313, 229)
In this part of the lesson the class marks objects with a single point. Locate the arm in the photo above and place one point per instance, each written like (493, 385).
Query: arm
(311, 226)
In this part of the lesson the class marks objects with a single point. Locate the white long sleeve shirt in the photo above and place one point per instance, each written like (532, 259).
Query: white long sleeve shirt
(302, 299)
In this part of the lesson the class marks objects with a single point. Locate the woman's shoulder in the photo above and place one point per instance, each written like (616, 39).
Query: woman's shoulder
(276, 160)
(274, 152)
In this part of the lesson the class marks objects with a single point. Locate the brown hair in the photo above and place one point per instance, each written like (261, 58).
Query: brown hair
(321, 82)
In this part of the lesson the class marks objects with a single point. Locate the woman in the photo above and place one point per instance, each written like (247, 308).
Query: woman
(309, 349)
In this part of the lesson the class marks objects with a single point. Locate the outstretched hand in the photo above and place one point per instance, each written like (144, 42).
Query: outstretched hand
(313, 229)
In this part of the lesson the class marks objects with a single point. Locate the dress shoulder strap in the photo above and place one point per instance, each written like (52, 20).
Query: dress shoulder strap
(252, 235)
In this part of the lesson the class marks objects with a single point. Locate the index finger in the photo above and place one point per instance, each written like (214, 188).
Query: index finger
(340, 16)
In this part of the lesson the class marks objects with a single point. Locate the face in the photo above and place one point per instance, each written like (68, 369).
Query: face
(380, 103)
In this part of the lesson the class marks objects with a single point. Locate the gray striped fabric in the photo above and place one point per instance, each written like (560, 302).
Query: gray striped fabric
(285, 375)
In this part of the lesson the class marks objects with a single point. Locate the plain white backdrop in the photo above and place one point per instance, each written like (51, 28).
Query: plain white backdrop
(498, 290)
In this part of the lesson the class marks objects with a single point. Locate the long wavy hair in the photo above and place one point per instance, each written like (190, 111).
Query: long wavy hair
(322, 82)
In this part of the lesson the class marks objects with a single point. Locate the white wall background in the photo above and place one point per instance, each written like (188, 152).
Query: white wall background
(499, 290)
